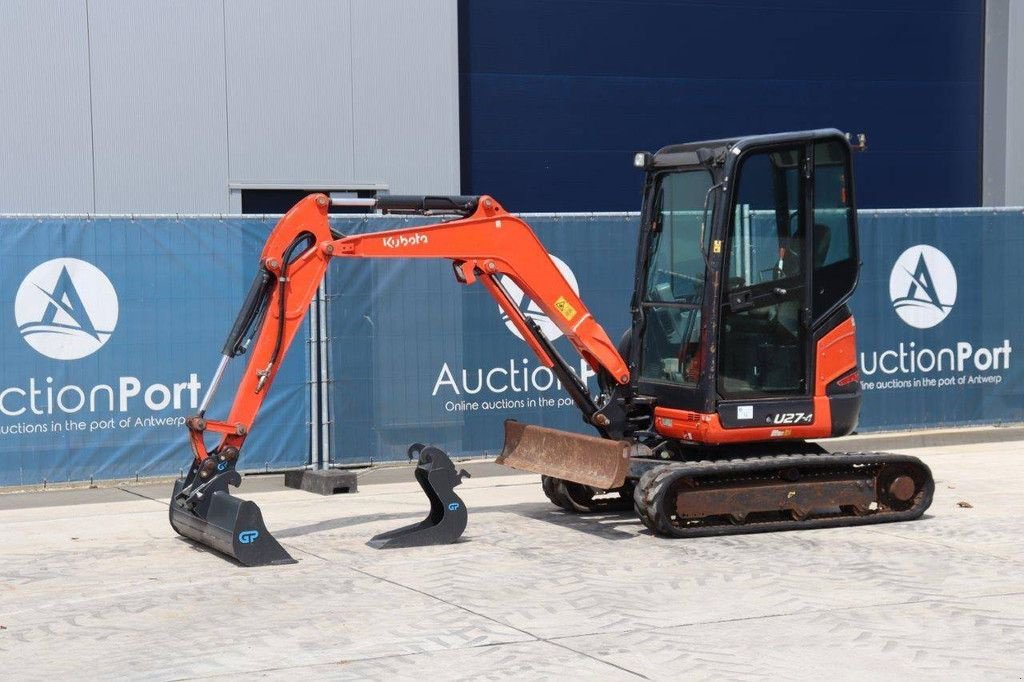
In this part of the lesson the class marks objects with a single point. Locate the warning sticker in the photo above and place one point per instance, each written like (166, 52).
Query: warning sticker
(568, 312)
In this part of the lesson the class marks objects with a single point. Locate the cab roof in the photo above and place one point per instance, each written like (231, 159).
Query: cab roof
(691, 153)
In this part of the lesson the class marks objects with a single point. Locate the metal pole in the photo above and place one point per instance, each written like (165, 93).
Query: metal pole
(217, 376)
(352, 201)
(325, 375)
(748, 247)
(313, 379)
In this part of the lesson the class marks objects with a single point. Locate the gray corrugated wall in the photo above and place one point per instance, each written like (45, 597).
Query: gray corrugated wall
(45, 127)
(1003, 135)
(118, 106)
(159, 127)
(1015, 107)
(406, 119)
(289, 121)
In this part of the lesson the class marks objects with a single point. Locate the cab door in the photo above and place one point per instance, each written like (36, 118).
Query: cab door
(764, 363)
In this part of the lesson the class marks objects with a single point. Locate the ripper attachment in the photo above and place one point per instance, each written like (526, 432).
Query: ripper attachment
(448, 516)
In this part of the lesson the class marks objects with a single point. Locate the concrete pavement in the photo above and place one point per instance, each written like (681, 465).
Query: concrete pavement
(106, 589)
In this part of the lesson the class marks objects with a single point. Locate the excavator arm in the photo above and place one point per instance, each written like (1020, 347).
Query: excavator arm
(484, 243)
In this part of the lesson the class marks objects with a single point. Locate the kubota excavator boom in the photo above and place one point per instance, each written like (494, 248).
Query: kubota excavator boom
(483, 245)
(740, 350)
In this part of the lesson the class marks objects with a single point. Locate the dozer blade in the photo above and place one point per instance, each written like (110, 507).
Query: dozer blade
(228, 524)
(597, 462)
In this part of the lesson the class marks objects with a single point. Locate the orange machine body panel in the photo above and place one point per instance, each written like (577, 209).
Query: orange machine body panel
(835, 357)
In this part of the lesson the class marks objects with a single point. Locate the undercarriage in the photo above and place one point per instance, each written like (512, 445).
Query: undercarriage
(753, 494)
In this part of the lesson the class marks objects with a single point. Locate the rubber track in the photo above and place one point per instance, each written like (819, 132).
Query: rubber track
(655, 510)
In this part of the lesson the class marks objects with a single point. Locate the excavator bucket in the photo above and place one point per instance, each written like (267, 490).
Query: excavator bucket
(219, 520)
(448, 516)
(596, 462)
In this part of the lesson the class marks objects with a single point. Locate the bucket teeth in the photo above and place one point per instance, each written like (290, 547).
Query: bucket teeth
(592, 461)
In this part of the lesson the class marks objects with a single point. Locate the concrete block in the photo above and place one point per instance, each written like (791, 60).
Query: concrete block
(329, 482)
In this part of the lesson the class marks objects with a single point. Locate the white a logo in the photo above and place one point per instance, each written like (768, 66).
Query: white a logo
(531, 309)
(66, 308)
(922, 286)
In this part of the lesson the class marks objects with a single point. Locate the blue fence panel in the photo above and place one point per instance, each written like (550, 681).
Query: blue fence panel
(938, 323)
(112, 329)
(114, 326)
(416, 357)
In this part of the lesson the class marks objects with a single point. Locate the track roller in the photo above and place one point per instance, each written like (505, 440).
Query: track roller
(577, 498)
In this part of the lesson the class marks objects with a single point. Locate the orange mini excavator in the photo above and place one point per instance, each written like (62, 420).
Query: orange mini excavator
(741, 349)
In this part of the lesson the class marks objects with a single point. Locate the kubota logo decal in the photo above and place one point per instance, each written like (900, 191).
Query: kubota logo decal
(533, 311)
(401, 240)
(922, 286)
(66, 308)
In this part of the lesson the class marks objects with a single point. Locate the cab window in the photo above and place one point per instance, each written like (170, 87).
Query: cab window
(674, 288)
(762, 332)
(835, 261)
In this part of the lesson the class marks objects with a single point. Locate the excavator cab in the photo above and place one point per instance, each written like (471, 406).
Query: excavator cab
(747, 257)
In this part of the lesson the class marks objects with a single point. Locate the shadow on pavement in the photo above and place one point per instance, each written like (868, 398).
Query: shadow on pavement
(343, 522)
(602, 524)
(606, 525)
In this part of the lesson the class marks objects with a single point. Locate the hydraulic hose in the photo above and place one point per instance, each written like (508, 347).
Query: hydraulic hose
(255, 300)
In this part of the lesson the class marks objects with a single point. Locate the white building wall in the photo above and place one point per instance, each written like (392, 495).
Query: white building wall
(45, 124)
(406, 121)
(289, 95)
(159, 128)
(116, 106)
(1015, 106)
(1003, 133)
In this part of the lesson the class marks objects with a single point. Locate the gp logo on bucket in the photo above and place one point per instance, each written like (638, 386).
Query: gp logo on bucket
(922, 286)
(247, 537)
(531, 309)
(66, 308)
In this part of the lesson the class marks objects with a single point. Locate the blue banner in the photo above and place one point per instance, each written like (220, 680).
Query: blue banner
(111, 329)
(417, 357)
(938, 321)
(114, 327)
